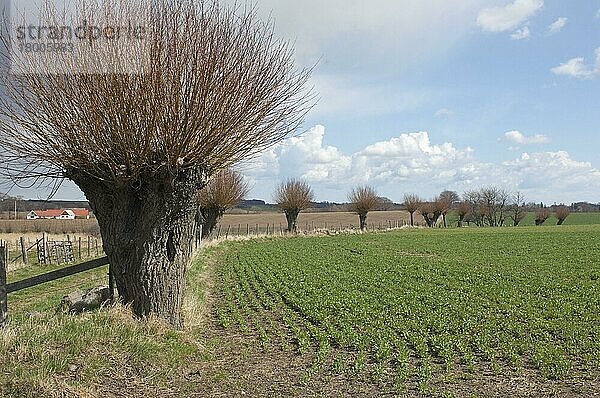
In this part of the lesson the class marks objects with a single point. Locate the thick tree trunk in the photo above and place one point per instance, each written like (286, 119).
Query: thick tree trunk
(363, 221)
(147, 231)
(292, 218)
(436, 217)
(427, 219)
(210, 219)
(412, 219)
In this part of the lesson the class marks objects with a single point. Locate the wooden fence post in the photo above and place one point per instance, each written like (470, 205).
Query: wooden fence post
(45, 246)
(89, 253)
(3, 298)
(24, 251)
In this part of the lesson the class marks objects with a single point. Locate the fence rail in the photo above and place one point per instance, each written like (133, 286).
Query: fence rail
(6, 288)
(225, 230)
(47, 250)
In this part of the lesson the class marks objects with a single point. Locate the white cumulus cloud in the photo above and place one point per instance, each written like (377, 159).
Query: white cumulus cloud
(521, 34)
(578, 68)
(519, 138)
(412, 162)
(554, 176)
(557, 25)
(502, 19)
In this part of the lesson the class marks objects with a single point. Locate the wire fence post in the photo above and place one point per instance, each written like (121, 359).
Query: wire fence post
(24, 251)
(3, 298)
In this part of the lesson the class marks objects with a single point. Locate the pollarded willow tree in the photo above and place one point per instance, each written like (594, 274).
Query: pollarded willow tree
(217, 87)
(292, 197)
(517, 210)
(462, 210)
(362, 201)
(446, 201)
(226, 189)
(412, 202)
(431, 212)
(561, 213)
(541, 216)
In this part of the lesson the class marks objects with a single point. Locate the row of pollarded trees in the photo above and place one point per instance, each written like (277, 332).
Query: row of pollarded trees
(487, 206)
(431, 211)
(293, 196)
(227, 189)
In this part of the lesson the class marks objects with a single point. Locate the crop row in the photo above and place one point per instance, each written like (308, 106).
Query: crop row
(475, 298)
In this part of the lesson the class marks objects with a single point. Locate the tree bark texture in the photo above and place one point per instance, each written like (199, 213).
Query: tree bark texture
(363, 221)
(147, 231)
(292, 220)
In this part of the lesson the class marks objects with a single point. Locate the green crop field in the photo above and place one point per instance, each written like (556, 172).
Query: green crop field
(434, 312)
(412, 306)
(528, 221)
(573, 219)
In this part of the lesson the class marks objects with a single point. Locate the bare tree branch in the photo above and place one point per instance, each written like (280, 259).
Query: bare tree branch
(363, 200)
(226, 189)
(292, 197)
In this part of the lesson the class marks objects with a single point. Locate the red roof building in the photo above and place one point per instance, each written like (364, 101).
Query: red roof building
(59, 214)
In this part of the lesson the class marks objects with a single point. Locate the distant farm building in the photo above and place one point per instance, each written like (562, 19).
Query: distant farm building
(59, 214)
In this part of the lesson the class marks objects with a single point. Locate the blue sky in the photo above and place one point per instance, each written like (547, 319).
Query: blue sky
(421, 96)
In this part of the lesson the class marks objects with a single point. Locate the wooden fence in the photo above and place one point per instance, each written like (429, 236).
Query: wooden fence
(229, 230)
(6, 288)
(46, 250)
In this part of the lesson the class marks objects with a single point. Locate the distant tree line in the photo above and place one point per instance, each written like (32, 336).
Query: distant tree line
(490, 206)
